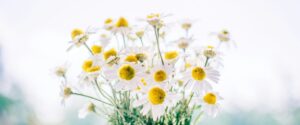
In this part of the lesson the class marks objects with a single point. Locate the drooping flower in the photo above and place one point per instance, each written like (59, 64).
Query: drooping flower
(65, 93)
(88, 108)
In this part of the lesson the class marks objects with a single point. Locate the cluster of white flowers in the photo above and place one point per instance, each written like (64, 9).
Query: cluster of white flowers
(140, 65)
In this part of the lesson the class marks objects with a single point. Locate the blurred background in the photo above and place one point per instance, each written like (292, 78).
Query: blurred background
(260, 81)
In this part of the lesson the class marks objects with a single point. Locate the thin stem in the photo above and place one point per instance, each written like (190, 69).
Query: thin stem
(118, 46)
(141, 39)
(86, 46)
(187, 33)
(103, 93)
(123, 37)
(79, 94)
(206, 61)
(156, 31)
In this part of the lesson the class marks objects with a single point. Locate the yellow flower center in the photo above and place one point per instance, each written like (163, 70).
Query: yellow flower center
(198, 73)
(160, 76)
(76, 32)
(126, 72)
(122, 22)
(67, 92)
(131, 58)
(150, 16)
(109, 53)
(171, 55)
(210, 98)
(96, 49)
(140, 33)
(108, 21)
(91, 107)
(186, 26)
(156, 95)
(141, 57)
(224, 36)
(88, 66)
(225, 32)
(209, 52)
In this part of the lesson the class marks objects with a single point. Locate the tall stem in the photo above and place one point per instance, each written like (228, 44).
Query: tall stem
(141, 39)
(156, 31)
(79, 94)
(88, 48)
(123, 37)
(206, 61)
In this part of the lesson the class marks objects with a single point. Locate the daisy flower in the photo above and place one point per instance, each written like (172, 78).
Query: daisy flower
(212, 55)
(91, 70)
(160, 74)
(122, 26)
(128, 75)
(171, 57)
(183, 42)
(199, 78)
(88, 108)
(65, 93)
(79, 36)
(209, 102)
(104, 39)
(108, 24)
(154, 19)
(224, 37)
(110, 54)
(155, 99)
(61, 70)
(142, 54)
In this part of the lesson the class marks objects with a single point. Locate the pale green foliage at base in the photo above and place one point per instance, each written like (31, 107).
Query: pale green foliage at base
(180, 114)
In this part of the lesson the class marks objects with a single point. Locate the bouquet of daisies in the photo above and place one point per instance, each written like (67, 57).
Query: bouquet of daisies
(139, 77)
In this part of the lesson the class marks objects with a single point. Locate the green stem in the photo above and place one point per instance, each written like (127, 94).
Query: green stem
(206, 61)
(156, 31)
(79, 94)
(123, 37)
(141, 39)
(103, 93)
(88, 48)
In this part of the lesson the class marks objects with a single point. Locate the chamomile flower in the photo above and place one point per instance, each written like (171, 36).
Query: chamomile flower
(79, 36)
(186, 24)
(91, 69)
(209, 102)
(183, 42)
(61, 70)
(96, 49)
(199, 78)
(224, 37)
(171, 57)
(127, 75)
(65, 93)
(155, 19)
(104, 39)
(142, 54)
(108, 24)
(210, 54)
(160, 74)
(156, 99)
(122, 26)
(109, 53)
(88, 108)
